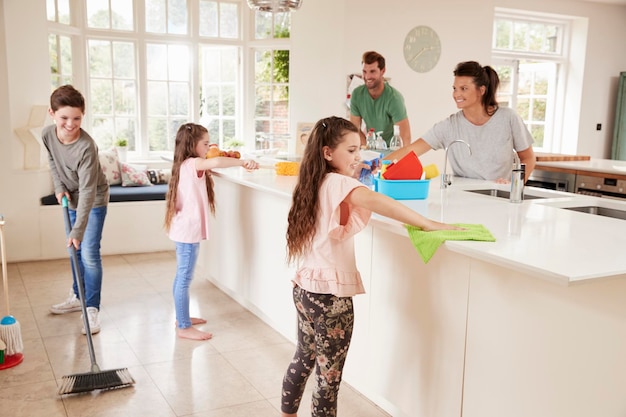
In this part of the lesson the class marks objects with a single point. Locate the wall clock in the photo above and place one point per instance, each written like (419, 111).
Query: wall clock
(422, 48)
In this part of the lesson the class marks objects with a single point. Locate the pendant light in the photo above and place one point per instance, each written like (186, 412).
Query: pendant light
(275, 6)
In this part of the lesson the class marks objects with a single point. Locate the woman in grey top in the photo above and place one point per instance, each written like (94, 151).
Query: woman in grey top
(493, 132)
(76, 174)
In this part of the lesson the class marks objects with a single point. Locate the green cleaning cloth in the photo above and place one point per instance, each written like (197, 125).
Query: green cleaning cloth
(426, 243)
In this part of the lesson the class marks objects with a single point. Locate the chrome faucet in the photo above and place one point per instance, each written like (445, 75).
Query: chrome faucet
(518, 176)
(446, 179)
(516, 160)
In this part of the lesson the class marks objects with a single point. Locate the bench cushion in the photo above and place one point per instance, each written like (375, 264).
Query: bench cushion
(119, 194)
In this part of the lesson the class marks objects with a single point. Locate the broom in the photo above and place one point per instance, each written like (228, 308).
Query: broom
(95, 379)
(10, 332)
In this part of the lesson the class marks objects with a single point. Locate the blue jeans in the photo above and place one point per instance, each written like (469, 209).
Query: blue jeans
(186, 257)
(89, 259)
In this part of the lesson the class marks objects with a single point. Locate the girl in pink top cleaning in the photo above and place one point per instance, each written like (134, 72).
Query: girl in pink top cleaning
(329, 207)
(190, 196)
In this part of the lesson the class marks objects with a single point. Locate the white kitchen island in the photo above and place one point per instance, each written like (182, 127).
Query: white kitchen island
(533, 324)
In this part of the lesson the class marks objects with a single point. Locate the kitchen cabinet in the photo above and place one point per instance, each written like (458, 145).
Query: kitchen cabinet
(523, 326)
(619, 132)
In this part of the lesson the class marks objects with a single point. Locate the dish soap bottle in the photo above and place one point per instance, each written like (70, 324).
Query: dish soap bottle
(370, 140)
(381, 145)
(396, 140)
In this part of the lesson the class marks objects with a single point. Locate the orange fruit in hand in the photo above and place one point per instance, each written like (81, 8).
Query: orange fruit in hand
(213, 152)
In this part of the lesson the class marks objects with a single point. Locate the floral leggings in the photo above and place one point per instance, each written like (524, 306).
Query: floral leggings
(325, 324)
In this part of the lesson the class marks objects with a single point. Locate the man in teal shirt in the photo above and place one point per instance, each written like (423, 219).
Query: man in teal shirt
(377, 103)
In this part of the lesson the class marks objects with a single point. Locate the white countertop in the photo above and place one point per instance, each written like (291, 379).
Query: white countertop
(608, 166)
(536, 237)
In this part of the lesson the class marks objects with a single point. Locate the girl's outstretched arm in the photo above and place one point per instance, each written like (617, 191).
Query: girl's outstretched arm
(388, 207)
(224, 162)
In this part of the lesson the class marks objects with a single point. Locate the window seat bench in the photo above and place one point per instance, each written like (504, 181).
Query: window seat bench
(134, 223)
(119, 194)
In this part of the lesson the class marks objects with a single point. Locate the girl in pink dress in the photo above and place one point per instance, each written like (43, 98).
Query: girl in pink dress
(329, 207)
(189, 198)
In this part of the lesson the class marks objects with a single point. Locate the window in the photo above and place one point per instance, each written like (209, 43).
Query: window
(529, 56)
(60, 43)
(150, 66)
(112, 92)
(169, 93)
(60, 51)
(219, 94)
(166, 16)
(271, 80)
(58, 11)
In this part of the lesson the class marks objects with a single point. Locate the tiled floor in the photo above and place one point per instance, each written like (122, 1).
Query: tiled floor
(237, 373)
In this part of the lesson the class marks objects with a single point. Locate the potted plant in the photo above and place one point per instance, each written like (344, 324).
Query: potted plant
(121, 145)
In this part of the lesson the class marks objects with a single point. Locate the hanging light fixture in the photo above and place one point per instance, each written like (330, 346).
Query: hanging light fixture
(276, 6)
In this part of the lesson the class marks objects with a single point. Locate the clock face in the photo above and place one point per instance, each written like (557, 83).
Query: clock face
(422, 48)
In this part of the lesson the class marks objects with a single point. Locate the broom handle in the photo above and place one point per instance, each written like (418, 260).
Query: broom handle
(81, 286)
(5, 280)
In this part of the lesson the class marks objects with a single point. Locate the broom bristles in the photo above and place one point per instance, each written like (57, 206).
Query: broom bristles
(11, 334)
(90, 381)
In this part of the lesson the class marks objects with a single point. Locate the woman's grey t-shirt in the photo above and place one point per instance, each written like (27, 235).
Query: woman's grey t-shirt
(492, 143)
(75, 168)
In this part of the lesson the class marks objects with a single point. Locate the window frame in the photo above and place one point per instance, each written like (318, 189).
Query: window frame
(81, 34)
(553, 140)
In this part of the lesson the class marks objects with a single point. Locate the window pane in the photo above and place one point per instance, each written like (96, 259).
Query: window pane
(98, 14)
(125, 97)
(229, 20)
(523, 106)
(64, 11)
(262, 25)
(158, 135)
(101, 97)
(281, 93)
(156, 16)
(124, 60)
(208, 18)
(179, 69)
(211, 100)
(282, 25)
(157, 62)
(66, 55)
(122, 11)
(503, 34)
(537, 132)
(539, 109)
(229, 63)
(54, 55)
(157, 98)
(228, 100)
(177, 17)
(281, 66)
(210, 69)
(51, 10)
(263, 102)
(228, 128)
(100, 58)
(263, 66)
(179, 99)
(102, 131)
(125, 128)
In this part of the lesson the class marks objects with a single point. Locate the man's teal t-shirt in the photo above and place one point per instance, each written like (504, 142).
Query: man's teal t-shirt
(382, 113)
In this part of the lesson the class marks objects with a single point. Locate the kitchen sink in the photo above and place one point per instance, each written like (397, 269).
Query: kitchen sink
(600, 211)
(494, 192)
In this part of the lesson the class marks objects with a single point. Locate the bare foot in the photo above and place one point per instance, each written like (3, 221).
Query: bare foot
(193, 333)
(194, 320)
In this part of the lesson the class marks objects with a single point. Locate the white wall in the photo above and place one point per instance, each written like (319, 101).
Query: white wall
(328, 38)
